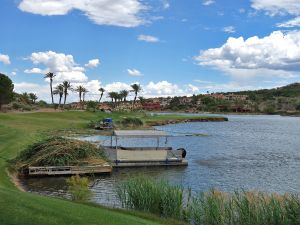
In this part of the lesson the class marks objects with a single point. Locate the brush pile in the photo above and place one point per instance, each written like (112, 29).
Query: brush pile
(58, 151)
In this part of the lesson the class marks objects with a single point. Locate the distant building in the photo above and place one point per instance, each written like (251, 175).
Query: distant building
(233, 97)
(152, 106)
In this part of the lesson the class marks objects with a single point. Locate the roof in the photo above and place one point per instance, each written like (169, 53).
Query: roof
(139, 133)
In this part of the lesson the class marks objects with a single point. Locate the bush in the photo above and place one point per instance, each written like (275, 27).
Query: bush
(42, 104)
(79, 188)
(131, 122)
(92, 106)
(21, 106)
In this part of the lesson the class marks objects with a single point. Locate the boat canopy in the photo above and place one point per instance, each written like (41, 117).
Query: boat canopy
(140, 133)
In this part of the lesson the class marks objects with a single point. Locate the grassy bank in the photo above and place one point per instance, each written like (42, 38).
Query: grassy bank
(18, 131)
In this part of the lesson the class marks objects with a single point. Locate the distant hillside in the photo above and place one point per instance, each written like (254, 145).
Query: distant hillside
(289, 91)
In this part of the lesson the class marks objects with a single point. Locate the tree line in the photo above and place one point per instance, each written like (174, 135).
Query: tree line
(62, 90)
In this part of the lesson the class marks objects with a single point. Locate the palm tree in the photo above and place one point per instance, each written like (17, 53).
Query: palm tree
(136, 88)
(80, 90)
(33, 97)
(124, 94)
(51, 76)
(59, 90)
(102, 90)
(84, 91)
(113, 95)
(67, 86)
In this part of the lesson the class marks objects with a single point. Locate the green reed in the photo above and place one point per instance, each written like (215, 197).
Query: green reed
(209, 208)
(158, 197)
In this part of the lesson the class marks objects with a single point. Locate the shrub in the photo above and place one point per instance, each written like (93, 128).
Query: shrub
(79, 188)
(131, 122)
(42, 104)
(92, 106)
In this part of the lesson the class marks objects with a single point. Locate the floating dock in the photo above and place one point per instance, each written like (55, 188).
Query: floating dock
(68, 170)
(120, 156)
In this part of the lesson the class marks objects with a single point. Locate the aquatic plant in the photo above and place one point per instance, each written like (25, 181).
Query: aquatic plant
(58, 151)
(158, 197)
(79, 188)
(212, 207)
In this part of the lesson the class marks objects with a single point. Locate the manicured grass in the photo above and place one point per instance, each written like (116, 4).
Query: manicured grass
(19, 130)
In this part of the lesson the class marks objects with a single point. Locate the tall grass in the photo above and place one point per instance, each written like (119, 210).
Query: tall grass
(157, 197)
(210, 208)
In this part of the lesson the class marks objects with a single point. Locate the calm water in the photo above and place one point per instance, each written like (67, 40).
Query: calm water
(250, 152)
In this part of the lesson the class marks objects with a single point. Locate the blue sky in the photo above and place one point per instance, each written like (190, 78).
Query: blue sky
(170, 47)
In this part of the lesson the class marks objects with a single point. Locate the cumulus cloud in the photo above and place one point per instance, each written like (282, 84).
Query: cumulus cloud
(277, 7)
(290, 23)
(93, 63)
(277, 54)
(162, 88)
(117, 86)
(208, 2)
(148, 38)
(124, 13)
(36, 71)
(4, 59)
(280, 7)
(229, 29)
(61, 64)
(134, 72)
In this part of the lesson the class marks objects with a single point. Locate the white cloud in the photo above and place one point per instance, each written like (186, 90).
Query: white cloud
(61, 64)
(229, 29)
(162, 88)
(93, 63)
(277, 7)
(208, 2)
(166, 4)
(35, 71)
(280, 7)
(117, 86)
(193, 89)
(124, 13)
(134, 72)
(277, 54)
(4, 59)
(290, 23)
(13, 73)
(148, 38)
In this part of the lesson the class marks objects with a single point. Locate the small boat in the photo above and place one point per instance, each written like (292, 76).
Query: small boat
(121, 156)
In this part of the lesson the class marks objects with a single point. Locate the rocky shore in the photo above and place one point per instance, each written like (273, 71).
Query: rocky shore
(174, 121)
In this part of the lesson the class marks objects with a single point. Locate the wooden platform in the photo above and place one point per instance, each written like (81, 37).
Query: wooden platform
(69, 170)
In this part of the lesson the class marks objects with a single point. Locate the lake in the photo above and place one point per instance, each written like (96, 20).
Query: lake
(258, 152)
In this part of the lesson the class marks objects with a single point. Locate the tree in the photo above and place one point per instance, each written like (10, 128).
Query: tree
(123, 95)
(6, 90)
(114, 96)
(84, 91)
(80, 90)
(136, 88)
(50, 76)
(59, 90)
(67, 86)
(102, 90)
(33, 97)
(142, 100)
(25, 98)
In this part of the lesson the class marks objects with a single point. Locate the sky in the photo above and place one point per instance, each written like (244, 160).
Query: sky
(170, 47)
